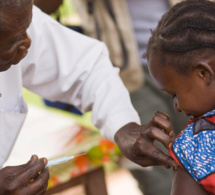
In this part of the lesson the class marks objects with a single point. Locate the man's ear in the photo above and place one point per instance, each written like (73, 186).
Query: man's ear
(205, 72)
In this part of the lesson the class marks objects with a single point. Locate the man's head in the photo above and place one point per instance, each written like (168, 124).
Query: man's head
(14, 3)
(15, 18)
(181, 55)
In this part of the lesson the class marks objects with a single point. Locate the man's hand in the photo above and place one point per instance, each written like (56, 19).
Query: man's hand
(28, 179)
(136, 142)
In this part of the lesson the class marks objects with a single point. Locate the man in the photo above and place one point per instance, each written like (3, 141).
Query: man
(124, 25)
(63, 65)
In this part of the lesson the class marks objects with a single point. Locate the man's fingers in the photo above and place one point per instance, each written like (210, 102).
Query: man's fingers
(156, 134)
(14, 178)
(32, 160)
(150, 155)
(162, 158)
(21, 168)
(31, 172)
(37, 186)
(162, 114)
(161, 121)
(146, 162)
(157, 158)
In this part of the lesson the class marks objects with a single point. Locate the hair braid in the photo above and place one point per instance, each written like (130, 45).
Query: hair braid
(188, 26)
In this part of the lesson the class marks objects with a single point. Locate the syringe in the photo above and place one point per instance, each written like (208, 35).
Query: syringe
(62, 160)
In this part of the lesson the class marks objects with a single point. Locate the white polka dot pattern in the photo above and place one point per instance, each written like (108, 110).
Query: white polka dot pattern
(196, 152)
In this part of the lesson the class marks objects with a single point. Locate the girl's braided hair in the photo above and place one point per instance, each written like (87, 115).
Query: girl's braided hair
(185, 30)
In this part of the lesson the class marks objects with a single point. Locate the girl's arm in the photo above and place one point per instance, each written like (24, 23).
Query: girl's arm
(184, 184)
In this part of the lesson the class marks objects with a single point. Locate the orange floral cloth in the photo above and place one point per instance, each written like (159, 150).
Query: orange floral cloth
(99, 151)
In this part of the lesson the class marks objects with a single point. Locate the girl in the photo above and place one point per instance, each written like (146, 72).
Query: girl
(181, 55)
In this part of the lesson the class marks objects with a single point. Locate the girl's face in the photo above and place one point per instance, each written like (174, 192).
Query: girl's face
(190, 93)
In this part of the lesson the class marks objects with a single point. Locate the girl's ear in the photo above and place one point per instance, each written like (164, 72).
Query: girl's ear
(205, 72)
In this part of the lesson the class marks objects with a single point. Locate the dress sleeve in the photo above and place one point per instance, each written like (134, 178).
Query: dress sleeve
(66, 66)
(194, 151)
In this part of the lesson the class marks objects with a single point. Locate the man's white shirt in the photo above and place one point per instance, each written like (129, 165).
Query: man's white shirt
(66, 66)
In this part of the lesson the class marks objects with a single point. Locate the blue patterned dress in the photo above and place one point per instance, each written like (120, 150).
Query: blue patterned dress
(194, 150)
